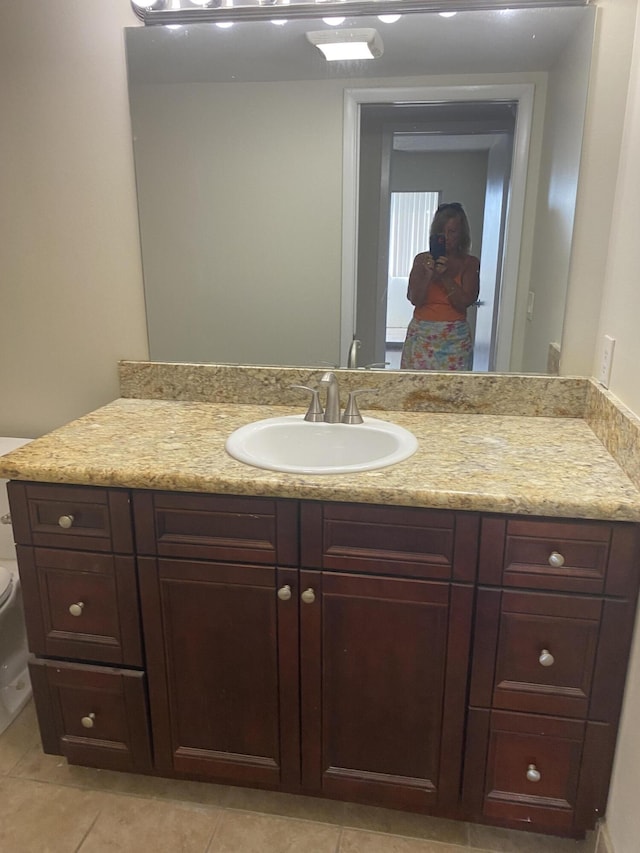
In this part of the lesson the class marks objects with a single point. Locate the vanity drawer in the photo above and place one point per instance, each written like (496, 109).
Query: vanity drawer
(216, 527)
(576, 556)
(81, 605)
(93, 715)
(535, 652)
(532, 771)
(78, 517)
(387, 540)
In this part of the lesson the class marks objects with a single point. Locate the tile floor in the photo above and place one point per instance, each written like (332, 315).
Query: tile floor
(49, 807)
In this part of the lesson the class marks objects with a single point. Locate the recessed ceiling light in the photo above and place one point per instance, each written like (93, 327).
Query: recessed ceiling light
(364, 43)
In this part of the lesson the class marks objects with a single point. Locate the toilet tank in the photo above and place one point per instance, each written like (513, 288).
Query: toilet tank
(7, 548)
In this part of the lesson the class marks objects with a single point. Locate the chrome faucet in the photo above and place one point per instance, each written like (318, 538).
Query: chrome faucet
(332, 408)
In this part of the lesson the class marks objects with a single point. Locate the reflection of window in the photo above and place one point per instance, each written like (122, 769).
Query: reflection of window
(410, 220)
(411, 215)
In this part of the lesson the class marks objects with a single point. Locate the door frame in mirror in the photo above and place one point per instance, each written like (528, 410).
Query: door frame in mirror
(523, 94)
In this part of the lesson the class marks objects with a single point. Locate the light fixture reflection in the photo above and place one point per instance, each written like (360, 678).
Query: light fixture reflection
(389, 19)
(334, 22)
(364, 43)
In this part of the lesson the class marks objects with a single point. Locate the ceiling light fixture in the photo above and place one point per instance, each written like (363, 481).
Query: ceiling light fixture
(364, 43)
(163, 12)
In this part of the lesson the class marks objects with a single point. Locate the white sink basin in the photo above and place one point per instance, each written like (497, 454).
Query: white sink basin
(296, 446)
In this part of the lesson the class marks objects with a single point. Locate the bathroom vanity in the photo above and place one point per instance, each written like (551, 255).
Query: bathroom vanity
(407, 637)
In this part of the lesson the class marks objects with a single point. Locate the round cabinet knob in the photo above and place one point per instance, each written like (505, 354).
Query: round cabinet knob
(546, 658)
(556, 560)
(308, 596)
(65, 521)
(88, 721)
(284, 593)
(76, 609)
(533, 774)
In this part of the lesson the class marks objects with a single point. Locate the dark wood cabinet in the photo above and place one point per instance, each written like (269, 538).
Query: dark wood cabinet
(452, 663)
(554, 620)
(268, 675)
(80, 590)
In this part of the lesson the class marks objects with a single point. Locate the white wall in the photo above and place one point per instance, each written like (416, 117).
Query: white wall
(620, 318)
(71, 299)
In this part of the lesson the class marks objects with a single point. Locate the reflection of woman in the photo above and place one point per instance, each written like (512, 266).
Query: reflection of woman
(438, 337)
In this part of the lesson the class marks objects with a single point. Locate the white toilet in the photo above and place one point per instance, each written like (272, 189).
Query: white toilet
(15, 687)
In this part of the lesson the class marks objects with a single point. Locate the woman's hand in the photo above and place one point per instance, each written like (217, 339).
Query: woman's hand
(427, 262)
(420, 278)
(441, 265)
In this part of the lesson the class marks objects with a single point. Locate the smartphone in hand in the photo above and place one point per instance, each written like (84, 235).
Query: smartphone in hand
(437, 247)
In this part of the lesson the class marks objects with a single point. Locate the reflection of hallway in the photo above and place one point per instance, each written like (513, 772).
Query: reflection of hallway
(411, 158)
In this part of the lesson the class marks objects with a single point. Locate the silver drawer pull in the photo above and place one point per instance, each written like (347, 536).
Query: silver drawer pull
(88, 721)
(546, 658)
(308, 596)
(533, 774)
(556, 560)
(76, 609)
(284, 593)
(65, 521)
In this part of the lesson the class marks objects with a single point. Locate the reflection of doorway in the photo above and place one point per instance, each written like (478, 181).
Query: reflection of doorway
(463, 152)
(389, 126)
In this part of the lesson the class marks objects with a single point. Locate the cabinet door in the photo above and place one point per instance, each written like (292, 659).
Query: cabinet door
(383, 667)
(222, 658)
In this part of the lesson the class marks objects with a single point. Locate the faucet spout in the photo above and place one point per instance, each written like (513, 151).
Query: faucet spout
(332, 408)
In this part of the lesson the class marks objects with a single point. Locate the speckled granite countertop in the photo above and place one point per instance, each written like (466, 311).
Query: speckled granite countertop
(491, 463)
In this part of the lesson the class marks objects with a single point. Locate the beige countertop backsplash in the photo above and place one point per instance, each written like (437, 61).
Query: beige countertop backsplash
(534, 445)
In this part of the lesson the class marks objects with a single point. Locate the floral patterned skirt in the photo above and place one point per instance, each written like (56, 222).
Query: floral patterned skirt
(437, 346)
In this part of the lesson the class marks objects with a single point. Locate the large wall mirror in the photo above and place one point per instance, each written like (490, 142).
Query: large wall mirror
(271, 182)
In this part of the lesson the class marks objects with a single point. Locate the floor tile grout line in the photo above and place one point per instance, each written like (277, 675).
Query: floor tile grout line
(84, 837)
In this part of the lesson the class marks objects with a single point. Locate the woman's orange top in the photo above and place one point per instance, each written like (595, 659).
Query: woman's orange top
(437, 307)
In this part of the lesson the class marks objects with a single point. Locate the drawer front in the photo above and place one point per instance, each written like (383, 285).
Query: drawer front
(94, 716)
(78, 517)
(389, 540)
(555, 555)
(537, 651)
(214, 527)
(81, 605)
(533, 769)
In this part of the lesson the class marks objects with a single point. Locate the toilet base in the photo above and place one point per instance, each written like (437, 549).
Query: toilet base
(15, 684)
(13, 697)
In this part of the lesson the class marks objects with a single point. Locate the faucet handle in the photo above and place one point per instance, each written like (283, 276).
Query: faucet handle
(314, 412)
(352, 412)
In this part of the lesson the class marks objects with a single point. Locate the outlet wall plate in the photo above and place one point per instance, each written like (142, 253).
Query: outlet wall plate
(606, 360)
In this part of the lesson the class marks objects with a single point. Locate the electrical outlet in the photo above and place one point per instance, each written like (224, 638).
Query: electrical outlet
(606, 360)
